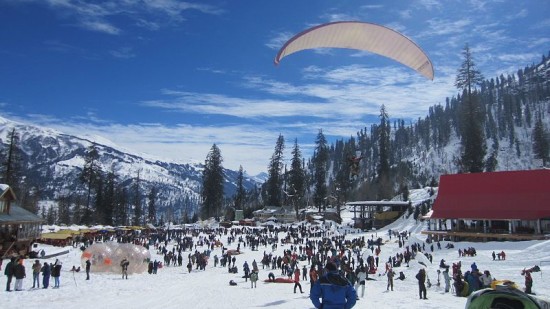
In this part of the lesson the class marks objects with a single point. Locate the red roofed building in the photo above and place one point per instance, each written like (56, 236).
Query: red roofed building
(480, 204)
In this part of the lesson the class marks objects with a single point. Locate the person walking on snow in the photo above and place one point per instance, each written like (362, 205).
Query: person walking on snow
(297, 280)
(124, 265)
(390, 275)
(253, 279)
(361, 281)
(447, 280)
(88, 266)
(246, 270)
(421, 277)
(528, 281)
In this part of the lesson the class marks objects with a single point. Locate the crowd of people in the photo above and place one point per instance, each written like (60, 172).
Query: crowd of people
(15, 268)
(325, 258)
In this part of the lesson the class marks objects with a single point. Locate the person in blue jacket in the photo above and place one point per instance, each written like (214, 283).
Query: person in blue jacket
(334, 290)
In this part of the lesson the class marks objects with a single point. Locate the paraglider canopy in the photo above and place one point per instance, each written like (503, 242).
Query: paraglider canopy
(361, 36)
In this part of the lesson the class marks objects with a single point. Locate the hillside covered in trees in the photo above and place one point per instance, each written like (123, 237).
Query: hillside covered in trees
(492, 124)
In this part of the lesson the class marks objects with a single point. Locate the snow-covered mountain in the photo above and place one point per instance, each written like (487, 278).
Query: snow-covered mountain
(53, 161)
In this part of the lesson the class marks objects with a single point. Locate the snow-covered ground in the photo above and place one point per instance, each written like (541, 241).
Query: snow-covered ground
(174, 287)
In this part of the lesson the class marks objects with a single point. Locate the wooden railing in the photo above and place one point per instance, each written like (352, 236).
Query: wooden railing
(470, 234)
(4, 252)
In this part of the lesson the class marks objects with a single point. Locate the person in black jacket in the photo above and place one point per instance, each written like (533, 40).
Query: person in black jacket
(8, 271)
(88, 265)
(46, 273)
(124, 265)
(19, 274)
(56, 273)
(421, 277)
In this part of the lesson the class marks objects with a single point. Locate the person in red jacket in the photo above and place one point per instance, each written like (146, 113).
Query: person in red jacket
(313, 277)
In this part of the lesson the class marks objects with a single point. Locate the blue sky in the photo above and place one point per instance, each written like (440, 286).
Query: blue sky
(170, 78)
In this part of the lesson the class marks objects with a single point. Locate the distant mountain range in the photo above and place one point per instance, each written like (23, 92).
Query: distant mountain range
(53, 161)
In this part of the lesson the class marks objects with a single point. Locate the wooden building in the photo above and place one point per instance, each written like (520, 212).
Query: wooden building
(498, 205)
(283, 214)
(19, 228)
(376, 214)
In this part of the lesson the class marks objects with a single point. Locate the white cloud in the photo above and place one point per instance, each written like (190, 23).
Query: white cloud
(518, 58)
(150, 14)
(539, 42)
(430, 4)
(278, 40)
(123, 52)
(340, 101)
(442, 27)
(100, 26)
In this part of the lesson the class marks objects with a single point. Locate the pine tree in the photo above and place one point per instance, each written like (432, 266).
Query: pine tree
(275, 181)
(212, 184)
(98, 212)
(110, 198)
(240, 195)
(89, 177)
(384, 188)
(471, 116)
(540, 141)
(121, 206)
(136, 201)
(11, 167)
(151, 209)
(297, 177)
(320, 161)
(468, 76)
(64, 209)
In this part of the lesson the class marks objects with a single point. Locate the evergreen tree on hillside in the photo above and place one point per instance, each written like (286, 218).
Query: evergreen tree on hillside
(151, 208)
(540, 141)
(275, 180)
(64, 209)
(471, 115)
(240, 195)
(385, 187)
(137, 200)
(90, 175)
(468, 76)
(297, 177)
(98, 210)
(110, 197)
(11, 163)
(320, 161)
(121, 205)
(212, 184)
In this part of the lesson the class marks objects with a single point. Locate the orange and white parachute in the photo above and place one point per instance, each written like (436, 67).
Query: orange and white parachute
(361, 36)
